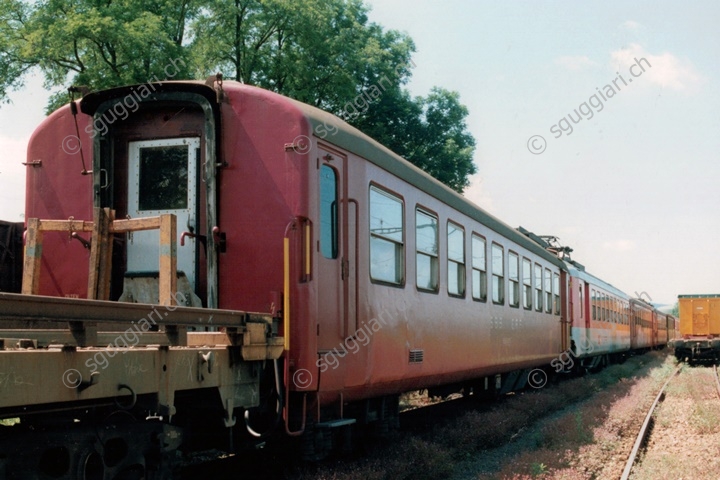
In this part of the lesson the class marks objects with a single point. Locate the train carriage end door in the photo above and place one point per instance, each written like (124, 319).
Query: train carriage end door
(333, 260)
(162, 178)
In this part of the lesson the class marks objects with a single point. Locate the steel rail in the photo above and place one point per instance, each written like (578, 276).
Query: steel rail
(644, 430)
(58, 309)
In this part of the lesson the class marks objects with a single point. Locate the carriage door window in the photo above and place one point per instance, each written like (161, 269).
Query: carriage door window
(162, 179)
(328, 212)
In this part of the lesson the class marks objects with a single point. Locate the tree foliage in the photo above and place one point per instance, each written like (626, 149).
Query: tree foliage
(322, 52)
(91, 43)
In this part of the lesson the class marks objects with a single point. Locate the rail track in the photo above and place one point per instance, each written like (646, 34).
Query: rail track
(646, 428)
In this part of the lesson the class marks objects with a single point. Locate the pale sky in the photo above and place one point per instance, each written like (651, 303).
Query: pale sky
(633, 188)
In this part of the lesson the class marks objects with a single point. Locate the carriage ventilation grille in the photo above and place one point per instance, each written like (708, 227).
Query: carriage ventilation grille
(416, 356)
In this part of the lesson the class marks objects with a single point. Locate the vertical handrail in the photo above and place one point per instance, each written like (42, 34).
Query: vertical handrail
(286, 292)
(356, 260)
(286, 335)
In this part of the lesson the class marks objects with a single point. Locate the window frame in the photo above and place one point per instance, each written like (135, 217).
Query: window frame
(426, 211)
(462, 271)
(538, 284)
(527, 290)
(482, 273)
(501, 278)
(513, 302)
(403, 269)
(334, 216)
(547, 281)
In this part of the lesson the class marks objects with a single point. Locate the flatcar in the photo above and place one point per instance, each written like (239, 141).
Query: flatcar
(377, 278)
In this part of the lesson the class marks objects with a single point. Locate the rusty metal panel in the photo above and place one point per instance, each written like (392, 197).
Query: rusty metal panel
(52, 376)
(699, 315)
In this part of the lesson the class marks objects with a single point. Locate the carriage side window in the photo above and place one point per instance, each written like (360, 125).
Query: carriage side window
(498, 274)
(603, 307)
(538, 288)
(582, 303)
(608, 309)
(593, 300)
(479, 269)
(625, 313)
(387, 250)
(617, 310)
(527, 283)
(556, 292)
(328, 212)
(456, 259)
(426, 258)
(548, 290)
(514, 276)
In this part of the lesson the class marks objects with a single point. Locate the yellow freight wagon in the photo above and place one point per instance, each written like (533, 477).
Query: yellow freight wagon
(699, 328)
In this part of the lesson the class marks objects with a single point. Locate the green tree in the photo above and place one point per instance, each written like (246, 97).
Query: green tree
(319, 52)
(429, 132)
(91, 43)
(322, 52)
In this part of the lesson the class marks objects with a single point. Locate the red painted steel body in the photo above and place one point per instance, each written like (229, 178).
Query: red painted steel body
(349, 335)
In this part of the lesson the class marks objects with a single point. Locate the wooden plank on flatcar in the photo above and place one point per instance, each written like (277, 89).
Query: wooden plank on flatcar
(135, 224)
(168, 259)
(66, 226)
(33, 256)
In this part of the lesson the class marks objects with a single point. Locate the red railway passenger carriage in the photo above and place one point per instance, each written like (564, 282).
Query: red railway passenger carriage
(387, 279)
(384, 279)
